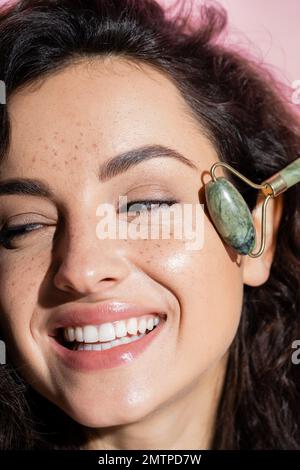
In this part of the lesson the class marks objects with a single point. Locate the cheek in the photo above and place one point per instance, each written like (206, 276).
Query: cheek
(21, 276)
(208, 288)
(211, 309)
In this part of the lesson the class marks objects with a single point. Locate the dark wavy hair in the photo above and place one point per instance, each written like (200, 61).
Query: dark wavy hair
(242, 110)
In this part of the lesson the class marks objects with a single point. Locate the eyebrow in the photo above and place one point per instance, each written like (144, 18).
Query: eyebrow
(109, 169)
(126, 160)
(26, 187)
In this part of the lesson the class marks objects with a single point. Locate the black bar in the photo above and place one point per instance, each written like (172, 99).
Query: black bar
(133, 459)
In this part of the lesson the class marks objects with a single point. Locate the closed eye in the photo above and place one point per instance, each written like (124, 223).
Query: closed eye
(8, 234)
(146, 205)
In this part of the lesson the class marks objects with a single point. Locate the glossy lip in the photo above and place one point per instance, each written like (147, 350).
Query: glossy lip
(105, 312)
(109, 358)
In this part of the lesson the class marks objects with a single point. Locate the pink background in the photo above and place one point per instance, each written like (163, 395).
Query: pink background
(269, 29)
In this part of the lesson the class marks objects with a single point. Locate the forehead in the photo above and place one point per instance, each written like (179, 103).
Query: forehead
(108, 105)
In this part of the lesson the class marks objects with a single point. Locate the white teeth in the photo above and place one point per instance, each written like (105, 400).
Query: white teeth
(116, 342)
(108, 345)
(142, 325)
(125, 340)
(90, 334)
(71, 334)
(111, 331)
(132, 326)
(106, 332)
(150, 324)
(121, 329)
(79, 334)
(105, 346)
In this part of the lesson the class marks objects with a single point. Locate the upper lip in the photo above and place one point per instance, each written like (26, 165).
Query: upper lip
(95, 314)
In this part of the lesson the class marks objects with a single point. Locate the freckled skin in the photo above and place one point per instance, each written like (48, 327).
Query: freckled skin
(201, 291)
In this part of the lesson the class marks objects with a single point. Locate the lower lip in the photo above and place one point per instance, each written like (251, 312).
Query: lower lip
(109, 358)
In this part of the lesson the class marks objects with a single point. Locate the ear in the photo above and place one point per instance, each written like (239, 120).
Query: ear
(256, 271)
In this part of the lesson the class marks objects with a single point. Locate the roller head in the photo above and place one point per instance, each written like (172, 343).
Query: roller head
(230, 215)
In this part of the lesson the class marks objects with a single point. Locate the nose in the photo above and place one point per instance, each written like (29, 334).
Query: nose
(85, 264)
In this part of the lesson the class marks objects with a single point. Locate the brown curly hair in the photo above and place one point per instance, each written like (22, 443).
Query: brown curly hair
(242, 110)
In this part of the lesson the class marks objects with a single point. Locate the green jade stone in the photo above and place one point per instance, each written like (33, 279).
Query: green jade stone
(291, 174)
(230, 215)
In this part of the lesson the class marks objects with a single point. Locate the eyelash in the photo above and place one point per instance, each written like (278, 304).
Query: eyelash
(8, 234)
(148, 202)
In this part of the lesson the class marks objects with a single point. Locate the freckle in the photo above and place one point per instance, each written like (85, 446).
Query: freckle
(157, 245)
(95, 146)
(74, 158)
(40, 138)
(66, 162)
(62, 141)
(33, 159)
(46, 147)
(81, 133)
(77, 123)
(76, 146)
(55, 152)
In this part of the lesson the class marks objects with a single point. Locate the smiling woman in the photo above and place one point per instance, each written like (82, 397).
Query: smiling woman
(140, 343)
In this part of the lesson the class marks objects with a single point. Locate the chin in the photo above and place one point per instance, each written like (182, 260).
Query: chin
(99, 415)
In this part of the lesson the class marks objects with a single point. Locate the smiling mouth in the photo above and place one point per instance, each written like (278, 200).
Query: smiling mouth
(108, 335)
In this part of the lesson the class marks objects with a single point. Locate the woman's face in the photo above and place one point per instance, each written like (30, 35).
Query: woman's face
(54, 274)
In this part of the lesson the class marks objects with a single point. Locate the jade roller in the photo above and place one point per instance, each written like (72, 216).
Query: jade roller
(230, 213)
